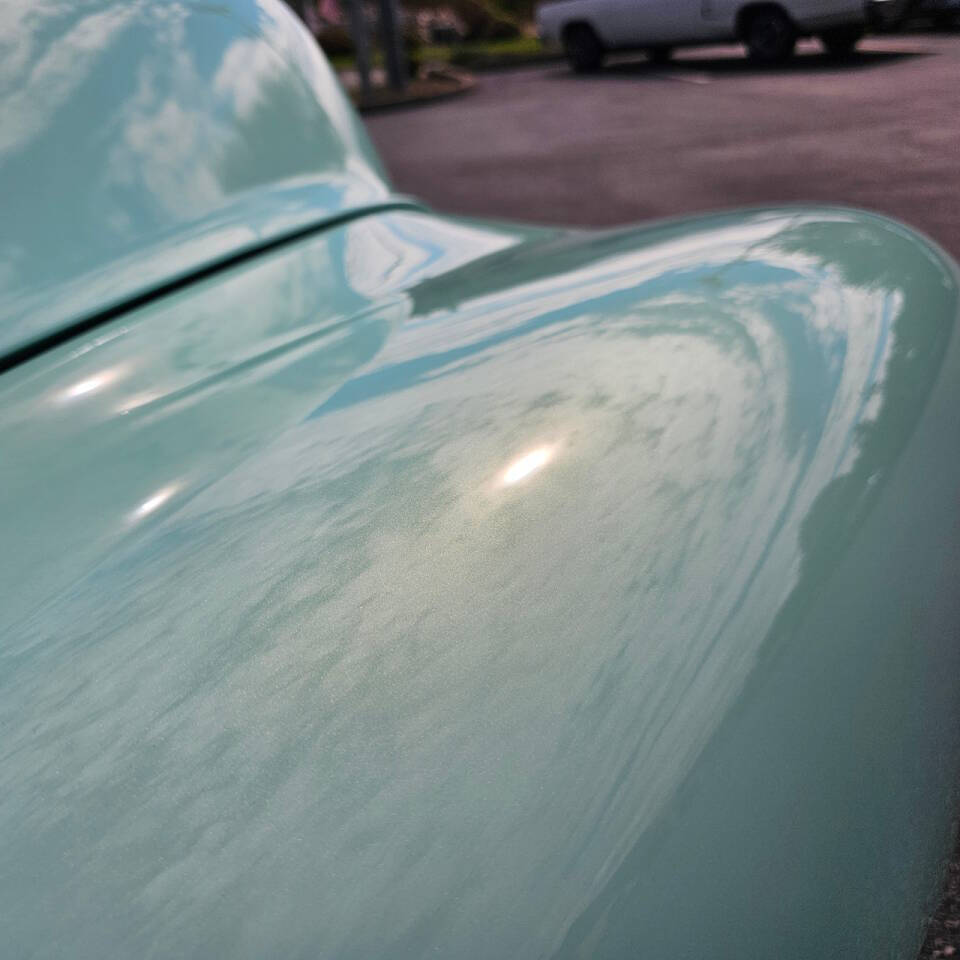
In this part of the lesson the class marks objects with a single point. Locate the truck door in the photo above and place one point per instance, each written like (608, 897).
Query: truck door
(659, 22)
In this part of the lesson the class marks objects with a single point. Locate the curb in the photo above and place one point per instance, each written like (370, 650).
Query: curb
(450, 83)
(498, 64)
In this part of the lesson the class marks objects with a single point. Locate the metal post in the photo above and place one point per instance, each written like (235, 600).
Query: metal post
(361, 42)
(393, 44)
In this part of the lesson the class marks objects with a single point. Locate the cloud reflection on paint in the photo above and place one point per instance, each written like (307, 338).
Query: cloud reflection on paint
(340, 658)
(207, 136)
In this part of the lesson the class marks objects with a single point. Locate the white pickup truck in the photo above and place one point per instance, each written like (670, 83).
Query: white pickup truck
(589, 29)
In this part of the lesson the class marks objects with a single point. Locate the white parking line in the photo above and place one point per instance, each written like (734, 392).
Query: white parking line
(698, 78)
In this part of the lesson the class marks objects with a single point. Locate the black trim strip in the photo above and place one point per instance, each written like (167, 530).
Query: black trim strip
(35, 348)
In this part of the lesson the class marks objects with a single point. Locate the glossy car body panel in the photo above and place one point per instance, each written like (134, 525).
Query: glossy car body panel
(140, 141)
(483, 592)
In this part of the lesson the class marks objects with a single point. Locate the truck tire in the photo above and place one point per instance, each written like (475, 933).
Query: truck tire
(583, 48)
(841, 42)
(769, 35)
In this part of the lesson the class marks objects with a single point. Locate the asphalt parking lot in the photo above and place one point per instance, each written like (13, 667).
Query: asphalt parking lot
(706, 132)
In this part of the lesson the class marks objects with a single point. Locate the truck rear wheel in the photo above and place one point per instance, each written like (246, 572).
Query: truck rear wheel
(770, 35)
(583, 48)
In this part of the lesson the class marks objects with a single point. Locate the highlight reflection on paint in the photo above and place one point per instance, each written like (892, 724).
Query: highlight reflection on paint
(135, 401)
(153, 503)
(90, 385)
(526, 465)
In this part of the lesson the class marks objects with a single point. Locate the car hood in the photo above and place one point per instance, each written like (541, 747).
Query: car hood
(429, 586)
(142, 141)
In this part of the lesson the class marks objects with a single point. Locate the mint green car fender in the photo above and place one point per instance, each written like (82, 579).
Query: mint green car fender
(490, 593)
(143, 141)
(390, 585)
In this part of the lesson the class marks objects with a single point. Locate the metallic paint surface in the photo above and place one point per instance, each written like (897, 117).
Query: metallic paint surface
(438, 588)
(142, 140)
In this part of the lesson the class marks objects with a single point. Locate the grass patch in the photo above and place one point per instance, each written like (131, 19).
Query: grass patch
(478, 55)
(488, 54)
(514, 47)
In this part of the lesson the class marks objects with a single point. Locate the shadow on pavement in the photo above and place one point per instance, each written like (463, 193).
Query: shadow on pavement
(738, 64)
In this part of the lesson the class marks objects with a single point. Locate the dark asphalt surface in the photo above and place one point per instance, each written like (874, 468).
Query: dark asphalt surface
(708, 132)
